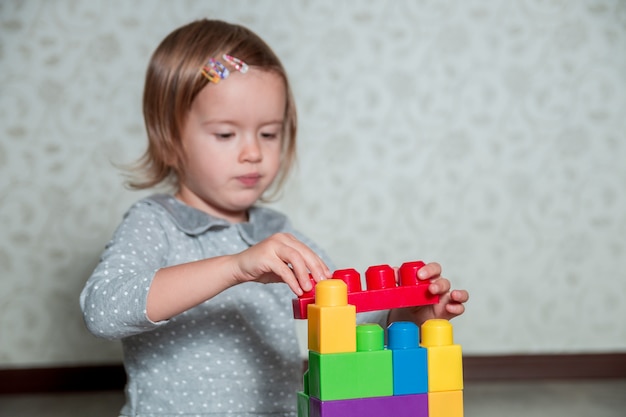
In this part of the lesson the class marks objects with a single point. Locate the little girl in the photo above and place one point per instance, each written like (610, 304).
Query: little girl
(183, 282)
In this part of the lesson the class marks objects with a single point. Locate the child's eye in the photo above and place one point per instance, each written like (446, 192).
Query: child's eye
(224, 136)
(269, 135)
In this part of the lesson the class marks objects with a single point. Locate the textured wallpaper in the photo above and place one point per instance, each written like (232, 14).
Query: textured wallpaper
(488, 136)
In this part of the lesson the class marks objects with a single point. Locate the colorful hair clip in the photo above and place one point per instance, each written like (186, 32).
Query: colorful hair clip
(215, 71)
(239, 65)
(211, 74)
(219, 68)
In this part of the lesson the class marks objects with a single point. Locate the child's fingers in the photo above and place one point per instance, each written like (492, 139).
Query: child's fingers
(288, 275)
(456, 309)
(429, 271)
(439, 286)
(453, 302)
(302, 261)
(309, 264)
(459, 296)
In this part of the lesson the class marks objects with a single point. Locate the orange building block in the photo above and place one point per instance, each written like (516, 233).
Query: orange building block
(332, 321)
(445, 404)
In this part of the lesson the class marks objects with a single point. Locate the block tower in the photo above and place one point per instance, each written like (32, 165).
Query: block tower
(351, 371)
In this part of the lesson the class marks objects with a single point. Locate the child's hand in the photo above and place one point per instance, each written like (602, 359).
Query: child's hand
(450, 302)
(281, 258)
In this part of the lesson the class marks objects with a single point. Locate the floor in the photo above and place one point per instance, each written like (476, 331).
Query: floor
(601, 398)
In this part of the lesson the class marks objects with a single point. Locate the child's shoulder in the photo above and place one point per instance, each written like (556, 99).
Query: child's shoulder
(157, 209)
(169, 211)
(146, 212)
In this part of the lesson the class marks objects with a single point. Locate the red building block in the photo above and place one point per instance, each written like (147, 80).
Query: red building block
(382, 292)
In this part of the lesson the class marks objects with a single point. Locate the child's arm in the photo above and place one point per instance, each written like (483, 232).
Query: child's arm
(279, 258)
(124, 297)
(450, 302)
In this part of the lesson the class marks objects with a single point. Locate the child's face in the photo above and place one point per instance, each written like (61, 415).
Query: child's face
(232, 141)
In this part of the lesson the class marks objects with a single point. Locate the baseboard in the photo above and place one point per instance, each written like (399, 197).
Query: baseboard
(475, 368)
(555, 366)
(62, 379)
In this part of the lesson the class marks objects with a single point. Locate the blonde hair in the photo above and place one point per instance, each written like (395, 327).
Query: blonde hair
(174, 79)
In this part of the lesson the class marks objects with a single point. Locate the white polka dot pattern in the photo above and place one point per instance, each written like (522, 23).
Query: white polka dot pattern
(236, 353)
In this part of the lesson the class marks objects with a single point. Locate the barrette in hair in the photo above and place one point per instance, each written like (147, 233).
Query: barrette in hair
(239, 65)
(219, 68)
(215, 71)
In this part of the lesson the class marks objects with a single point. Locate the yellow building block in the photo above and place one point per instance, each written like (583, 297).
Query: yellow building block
(332, 321)
(445, 404)
(445, 359)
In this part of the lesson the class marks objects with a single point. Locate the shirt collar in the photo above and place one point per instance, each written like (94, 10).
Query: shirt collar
(263, 222)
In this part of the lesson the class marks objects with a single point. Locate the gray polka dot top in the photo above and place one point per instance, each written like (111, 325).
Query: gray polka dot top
(236, 354)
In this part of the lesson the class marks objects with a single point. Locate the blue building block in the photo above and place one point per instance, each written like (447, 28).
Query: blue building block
(410, 361)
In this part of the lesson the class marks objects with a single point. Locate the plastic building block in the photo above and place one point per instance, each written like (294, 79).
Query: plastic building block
(445, 360)
(352, 374)
(305, 382)
(410, 365)
(303, 404)
(415, 405)
(365, 373)
(381, 293)
(301, 303)
(445, 404)
(303, 397)
(332, 321)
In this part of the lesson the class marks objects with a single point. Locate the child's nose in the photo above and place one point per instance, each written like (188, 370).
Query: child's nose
(251, 150)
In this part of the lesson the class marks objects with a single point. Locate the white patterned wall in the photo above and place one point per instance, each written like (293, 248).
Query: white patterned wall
(489, 136)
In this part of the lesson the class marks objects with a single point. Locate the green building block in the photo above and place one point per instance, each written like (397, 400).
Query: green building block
(305, 382)
(303, 404)
(360, 374)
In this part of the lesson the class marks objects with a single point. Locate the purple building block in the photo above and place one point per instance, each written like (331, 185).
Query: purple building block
(414, 405)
